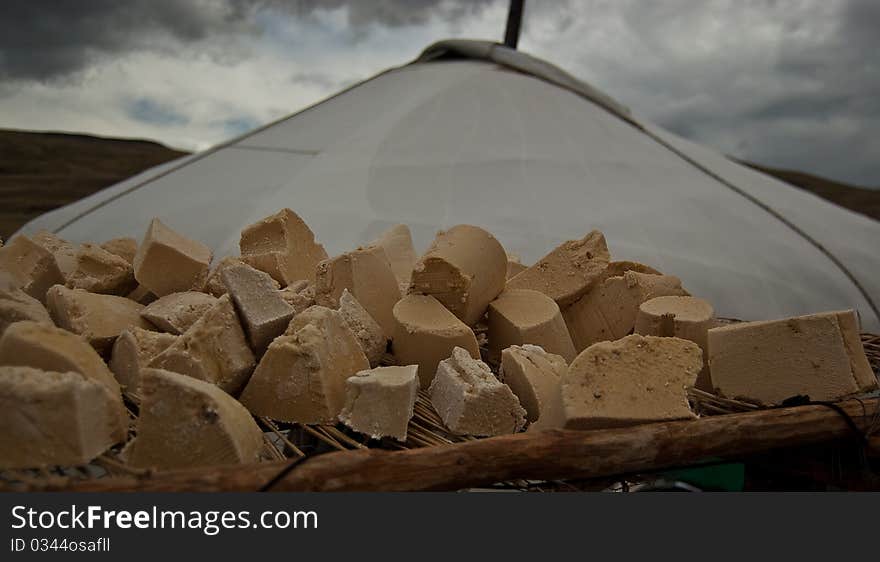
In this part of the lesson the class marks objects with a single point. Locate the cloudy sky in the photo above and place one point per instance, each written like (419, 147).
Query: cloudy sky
(791, 84)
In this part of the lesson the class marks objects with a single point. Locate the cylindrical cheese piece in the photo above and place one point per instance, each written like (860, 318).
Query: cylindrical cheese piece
(425, 333)
(520, 316)
(688, 318)
(465, 268)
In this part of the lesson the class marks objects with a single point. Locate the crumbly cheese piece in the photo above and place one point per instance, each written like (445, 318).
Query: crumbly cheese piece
(28, 344)
(98, 271)
(125, 248)
(214, 349)
(301, 378)
(98, 318)
(299, 294)
(55, 419)
(380, 402)
(567, 272)
(177, 312)
(637, 379)
(471, 400)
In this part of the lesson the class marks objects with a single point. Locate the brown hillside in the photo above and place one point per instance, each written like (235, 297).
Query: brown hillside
(42, 171)
(859, 199)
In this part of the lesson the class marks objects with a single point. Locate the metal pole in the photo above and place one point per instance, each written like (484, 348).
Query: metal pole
(514, 20)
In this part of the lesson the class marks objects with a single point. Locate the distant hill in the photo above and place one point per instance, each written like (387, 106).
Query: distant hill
(859, 199)
(42, 171)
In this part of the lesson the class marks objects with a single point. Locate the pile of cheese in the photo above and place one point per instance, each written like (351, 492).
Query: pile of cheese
(286, 332)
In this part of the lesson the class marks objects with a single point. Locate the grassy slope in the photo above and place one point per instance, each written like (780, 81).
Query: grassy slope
(42, 171)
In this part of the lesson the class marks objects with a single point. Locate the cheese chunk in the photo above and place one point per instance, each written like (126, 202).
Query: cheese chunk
(52, 349)
(534, 376)
(125, 248)
(214, 284)
(368, 333)
(185, 422)
(301, 378)
(283, 246)
(425, 333)
(264, 313)
(63, 251)
(380, 402)
(98, 271)
(521, 316)
(471, 400)
(47, 348)
(98, 318)
(214, 349)
(177, 312)
(54, 419)
(465, 269)
(299, 294)
(167, 262)
(770, 361)
(16, 305)
(637, 379)
(133, 351)
(567, 272)
(398, 245)
(32, 267)
(141, 295)
(688, 318)
(609, 310)
(367, 274)
(848, 321)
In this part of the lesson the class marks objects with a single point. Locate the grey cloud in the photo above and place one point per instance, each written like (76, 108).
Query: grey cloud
(789, 83)
(44, 40)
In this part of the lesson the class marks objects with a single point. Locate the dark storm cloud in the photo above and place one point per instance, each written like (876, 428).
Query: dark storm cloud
(786, 83)
(46, 39)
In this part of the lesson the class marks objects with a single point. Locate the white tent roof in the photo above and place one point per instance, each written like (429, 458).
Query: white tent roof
(473, 132)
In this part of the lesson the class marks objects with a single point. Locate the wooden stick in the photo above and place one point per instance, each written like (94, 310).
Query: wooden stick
(548, 455)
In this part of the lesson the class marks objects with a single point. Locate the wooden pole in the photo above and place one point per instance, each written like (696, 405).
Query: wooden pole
(514, 22)
(548, 455)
